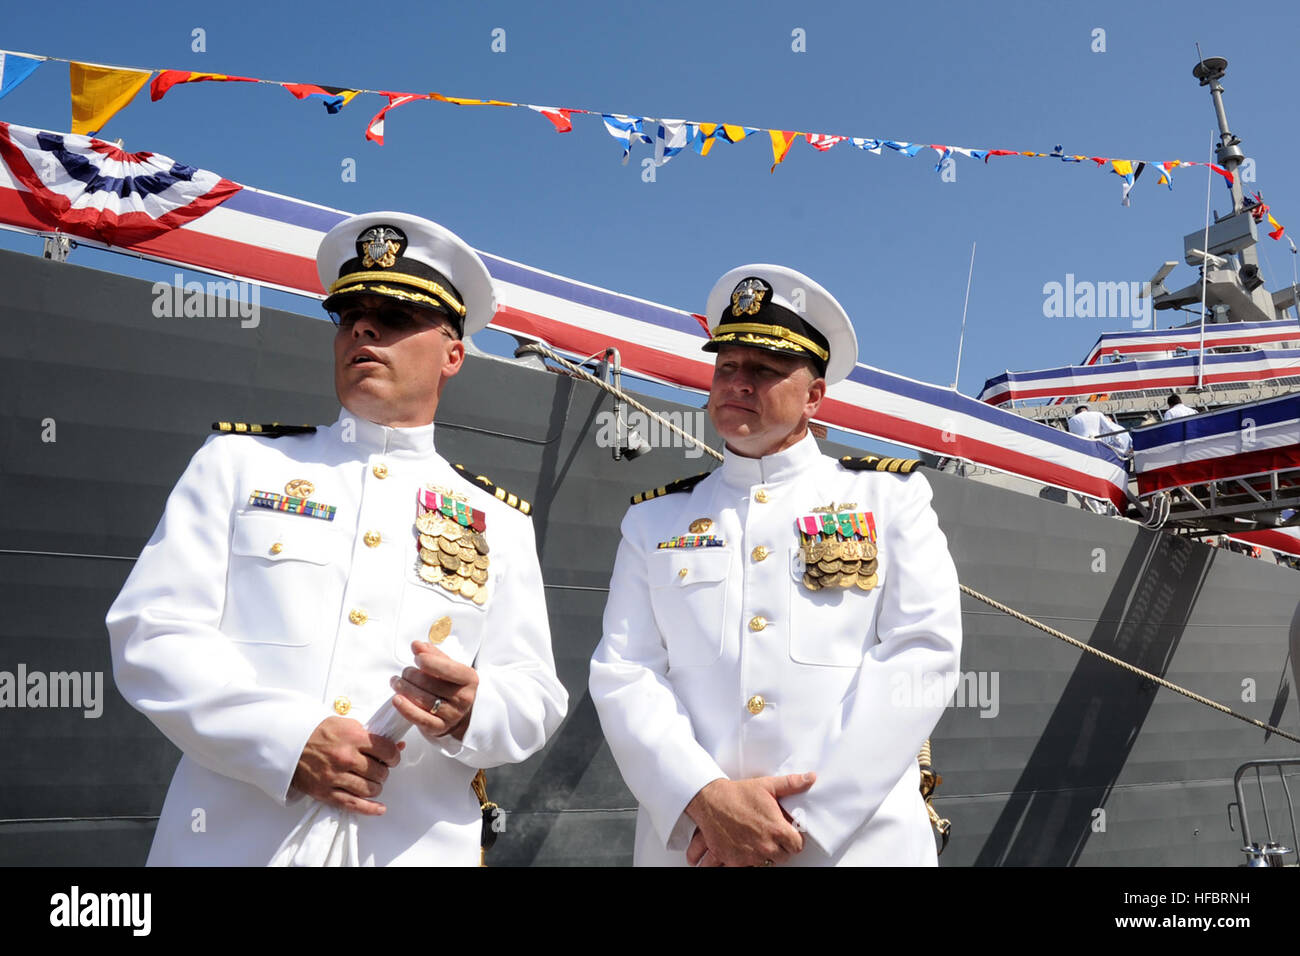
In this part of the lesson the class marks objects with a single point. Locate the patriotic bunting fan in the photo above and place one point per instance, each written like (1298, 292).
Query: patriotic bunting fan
(90, 188)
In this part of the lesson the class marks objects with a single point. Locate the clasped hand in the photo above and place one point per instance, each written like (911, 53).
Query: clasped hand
(742, 823)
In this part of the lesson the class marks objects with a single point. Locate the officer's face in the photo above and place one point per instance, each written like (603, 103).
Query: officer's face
(760, 402)
(390, 369)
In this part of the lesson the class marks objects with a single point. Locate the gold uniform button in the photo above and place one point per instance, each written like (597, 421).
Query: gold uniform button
(372, 539)
(760, 496)
(682, 573)
(357, 616)
(277, 548)
(757, 623)
(380, 470)
(756, 704)
(759, 553)
(341, 706)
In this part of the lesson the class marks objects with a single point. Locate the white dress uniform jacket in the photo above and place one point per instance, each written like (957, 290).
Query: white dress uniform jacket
(1177, 411)
(241, 628)
(694, 635)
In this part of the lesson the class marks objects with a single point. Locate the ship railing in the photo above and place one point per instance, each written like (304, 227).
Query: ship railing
(1236, 503)
(1268, 852)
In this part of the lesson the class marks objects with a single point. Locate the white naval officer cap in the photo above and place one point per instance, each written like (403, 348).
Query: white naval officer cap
(404, 257)
(778, 309)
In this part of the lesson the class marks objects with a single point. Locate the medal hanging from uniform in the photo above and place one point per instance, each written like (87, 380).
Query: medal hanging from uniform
(453, 544)
(839, 550)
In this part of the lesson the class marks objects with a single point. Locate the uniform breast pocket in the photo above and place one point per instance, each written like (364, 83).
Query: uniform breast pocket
(688, 592)
(286, 578)
(834, 626)
(424, 604)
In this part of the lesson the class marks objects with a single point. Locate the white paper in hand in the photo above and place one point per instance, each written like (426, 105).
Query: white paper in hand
(327, 836)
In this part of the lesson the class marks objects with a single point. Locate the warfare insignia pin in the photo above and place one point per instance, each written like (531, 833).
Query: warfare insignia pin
(380, 246)
(299, 488)
(748, 297)
(701, 525)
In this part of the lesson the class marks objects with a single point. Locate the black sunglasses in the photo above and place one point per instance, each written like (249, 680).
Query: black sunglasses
(393, 317)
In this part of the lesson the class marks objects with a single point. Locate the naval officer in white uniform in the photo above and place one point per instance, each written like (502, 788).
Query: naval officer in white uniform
(296, 583)
(782, 635)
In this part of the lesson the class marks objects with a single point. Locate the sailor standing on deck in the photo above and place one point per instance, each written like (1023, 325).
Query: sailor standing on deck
(1089, 424)
(782, 635)
(1176, 409)
(294, 576)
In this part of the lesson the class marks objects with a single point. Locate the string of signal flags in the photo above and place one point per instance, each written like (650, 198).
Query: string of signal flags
(99, 92)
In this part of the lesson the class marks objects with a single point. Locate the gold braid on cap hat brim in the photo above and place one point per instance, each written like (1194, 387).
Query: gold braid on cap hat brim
(361, 279)
(747, 334)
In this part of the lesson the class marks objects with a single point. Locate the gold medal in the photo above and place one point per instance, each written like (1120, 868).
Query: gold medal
(866, 582)
(449, 561)
(439, 630)
(447, 547)
(450, 582)
(480, 597)
(479, 576)
(851, 550)
(429, 523)
(849, 579)
(811, 583)
(430, 574)
(465, 570)
(429, 556)
(815, 551)
(467, 555)
(479, 542)
(868, 551)
(428, 541)
(468, 588)
(481, 562)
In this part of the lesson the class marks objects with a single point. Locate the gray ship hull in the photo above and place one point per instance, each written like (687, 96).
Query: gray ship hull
(1048, 757)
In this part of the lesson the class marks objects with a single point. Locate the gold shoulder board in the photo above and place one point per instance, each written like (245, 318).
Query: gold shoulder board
(901, 466)
(273, 430)
(681, 484)
(486, 483)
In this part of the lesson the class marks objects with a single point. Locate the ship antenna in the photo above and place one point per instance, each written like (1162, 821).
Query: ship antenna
(1205, 276)
(961, 340)
(1229, 154)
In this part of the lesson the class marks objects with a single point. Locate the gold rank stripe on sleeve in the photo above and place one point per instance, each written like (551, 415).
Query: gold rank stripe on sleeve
(272, 430)
(901, 466)
(484, 482)
(681, 484)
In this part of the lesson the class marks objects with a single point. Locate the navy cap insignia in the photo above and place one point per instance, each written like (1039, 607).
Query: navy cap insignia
(748, 296)
(380, 246)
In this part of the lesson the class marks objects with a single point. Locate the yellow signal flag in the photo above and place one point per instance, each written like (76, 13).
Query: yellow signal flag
(782, 140)
(99, 92)
(707, 129)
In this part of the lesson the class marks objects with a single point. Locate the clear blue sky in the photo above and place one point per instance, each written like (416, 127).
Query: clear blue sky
(883, 233)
